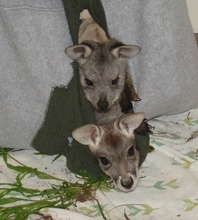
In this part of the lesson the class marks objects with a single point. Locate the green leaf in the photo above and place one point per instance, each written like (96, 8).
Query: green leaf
(186, 164)
(159, 185)
(147, 209)
(188, 121)
(4, 192)
(58, 196)
(188, 201)
(133, 210)
(172, 184)
(190, 205)
(11, 200)
(4, 150)
(24, 170)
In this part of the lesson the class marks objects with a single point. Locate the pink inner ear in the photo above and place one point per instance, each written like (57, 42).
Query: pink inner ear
(126, 52)
(93, 134)
(79, 50)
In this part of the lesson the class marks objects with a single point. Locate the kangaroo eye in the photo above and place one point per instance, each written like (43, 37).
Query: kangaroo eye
(115, 81)
(104, 161)
(88, 82)
(131, 151)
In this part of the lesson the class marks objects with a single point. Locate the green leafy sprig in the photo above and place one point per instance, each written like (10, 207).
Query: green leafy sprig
(60, 195)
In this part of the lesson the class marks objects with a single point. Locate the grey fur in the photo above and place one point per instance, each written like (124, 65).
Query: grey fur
(103, 65)
(103, 70)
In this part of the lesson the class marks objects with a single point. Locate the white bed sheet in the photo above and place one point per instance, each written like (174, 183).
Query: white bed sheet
(168, 185)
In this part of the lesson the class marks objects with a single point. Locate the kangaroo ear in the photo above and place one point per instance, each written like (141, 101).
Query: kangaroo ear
(126, 51)
(77, 52)
(88, 135)
(127, 123)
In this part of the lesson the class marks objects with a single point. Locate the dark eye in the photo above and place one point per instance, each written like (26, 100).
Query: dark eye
(115, 81)
(88, 82)
(131, 151)
(104, 161)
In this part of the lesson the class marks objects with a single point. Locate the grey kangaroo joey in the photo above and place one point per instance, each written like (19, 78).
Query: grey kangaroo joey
(114, 146)
(103, 66)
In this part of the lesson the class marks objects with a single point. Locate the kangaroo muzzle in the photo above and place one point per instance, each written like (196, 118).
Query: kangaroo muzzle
(103, 105)
(127, 182)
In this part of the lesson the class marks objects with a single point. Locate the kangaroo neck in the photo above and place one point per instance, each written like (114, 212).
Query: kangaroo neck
(108, 117)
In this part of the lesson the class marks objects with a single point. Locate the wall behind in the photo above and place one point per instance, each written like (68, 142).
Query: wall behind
(193, 13)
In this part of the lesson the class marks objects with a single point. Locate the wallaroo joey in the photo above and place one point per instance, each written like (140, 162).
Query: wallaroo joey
(103, 66)
(114, 146)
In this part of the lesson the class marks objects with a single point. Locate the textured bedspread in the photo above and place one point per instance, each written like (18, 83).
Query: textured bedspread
(168, 183)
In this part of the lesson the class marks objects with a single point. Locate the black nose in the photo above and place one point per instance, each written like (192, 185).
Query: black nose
(103, 105)
(127, 183)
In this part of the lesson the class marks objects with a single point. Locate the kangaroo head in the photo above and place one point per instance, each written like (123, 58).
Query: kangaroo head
(115, 148)
(103, 68)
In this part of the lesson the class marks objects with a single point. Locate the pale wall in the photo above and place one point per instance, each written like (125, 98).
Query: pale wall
(193, 13)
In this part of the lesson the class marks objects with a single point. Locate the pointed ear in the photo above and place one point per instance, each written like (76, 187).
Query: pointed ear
(88, 135)
(77, 52)
(127, 123)
(126, 51)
